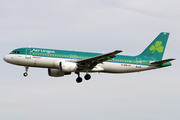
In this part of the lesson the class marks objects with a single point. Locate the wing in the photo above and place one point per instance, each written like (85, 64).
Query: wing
(90, 63)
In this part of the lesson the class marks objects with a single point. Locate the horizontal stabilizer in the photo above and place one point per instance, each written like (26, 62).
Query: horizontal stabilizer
(161, 62)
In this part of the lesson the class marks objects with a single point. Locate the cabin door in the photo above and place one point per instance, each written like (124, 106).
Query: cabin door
(138, 62)
(28, 53)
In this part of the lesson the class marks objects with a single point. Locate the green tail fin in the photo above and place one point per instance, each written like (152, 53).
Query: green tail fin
(156, 49)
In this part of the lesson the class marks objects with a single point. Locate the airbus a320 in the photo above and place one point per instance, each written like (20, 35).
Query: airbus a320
(62, 62)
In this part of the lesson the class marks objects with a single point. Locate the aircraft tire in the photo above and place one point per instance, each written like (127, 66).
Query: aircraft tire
(87, 77)
(79, 80)
(25, 74)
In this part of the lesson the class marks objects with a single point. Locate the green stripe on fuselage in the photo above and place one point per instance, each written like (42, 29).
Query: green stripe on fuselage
(81, 55)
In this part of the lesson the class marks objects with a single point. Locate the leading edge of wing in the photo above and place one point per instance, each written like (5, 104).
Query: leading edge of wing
(102, 57)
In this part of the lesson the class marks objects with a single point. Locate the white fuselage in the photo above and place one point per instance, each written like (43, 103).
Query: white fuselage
(50, 62)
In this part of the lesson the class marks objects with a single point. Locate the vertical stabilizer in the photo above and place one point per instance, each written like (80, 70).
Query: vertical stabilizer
(156, 49)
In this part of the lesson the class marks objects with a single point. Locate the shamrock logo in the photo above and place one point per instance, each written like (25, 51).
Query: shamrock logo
(157, 47)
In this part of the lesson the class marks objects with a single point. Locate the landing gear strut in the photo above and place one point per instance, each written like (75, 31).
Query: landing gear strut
(26, 69)
(79, 79)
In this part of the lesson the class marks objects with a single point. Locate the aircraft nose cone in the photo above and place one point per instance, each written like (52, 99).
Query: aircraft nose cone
(5, 58)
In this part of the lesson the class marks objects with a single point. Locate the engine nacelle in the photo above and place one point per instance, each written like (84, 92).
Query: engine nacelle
(57, 73)
(67, 66)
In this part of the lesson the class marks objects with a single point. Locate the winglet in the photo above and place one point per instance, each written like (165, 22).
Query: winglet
(124, 50)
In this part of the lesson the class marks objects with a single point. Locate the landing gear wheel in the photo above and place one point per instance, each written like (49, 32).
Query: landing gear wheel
(26, 69)
(87, 77)
(25, 74)
(79, 80)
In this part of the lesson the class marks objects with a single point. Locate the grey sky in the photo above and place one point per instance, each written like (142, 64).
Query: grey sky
(97, 26)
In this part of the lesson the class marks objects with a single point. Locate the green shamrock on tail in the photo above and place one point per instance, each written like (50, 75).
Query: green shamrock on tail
(157, 47)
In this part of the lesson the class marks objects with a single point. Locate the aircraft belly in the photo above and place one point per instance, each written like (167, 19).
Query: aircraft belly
(123, 68)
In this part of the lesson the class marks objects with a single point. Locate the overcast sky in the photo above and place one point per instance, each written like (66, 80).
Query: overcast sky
(93, 26)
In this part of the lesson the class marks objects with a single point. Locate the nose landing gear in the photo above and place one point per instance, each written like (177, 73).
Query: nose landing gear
(25, 74)
(26, 69)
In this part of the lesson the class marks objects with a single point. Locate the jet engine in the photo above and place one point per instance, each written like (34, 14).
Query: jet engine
(67, 66)
(57, 73)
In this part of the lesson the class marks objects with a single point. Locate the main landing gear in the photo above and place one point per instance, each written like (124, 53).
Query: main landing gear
(26, 69)
(79, 79)
(87, 76)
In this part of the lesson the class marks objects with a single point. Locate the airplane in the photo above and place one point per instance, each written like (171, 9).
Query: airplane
(63, 62)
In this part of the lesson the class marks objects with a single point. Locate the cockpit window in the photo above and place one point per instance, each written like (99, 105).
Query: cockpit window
(15, 52)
